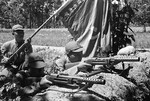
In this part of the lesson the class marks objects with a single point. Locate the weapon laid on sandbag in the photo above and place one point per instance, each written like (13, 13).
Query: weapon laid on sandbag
(105, 62)
(109, 62)
(112, 60)
(65, 79)
(29, 39)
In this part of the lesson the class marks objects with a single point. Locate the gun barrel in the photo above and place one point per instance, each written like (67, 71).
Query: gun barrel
(97, 61)
(104, 61)
(127, 58)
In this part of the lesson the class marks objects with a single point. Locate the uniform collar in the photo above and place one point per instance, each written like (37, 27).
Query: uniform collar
(19, 43)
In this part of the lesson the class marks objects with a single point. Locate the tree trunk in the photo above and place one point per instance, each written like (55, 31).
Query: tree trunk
(144, 28)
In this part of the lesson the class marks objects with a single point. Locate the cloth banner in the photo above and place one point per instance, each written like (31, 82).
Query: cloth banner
(89, 24)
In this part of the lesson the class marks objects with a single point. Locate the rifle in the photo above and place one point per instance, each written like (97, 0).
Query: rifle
(28, 40)
(63, 79)
(112, 60)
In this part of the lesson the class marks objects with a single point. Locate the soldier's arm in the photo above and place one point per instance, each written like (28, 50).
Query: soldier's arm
(60, 63)
(29, 49)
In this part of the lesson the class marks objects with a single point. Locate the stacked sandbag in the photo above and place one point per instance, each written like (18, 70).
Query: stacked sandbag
(140, 76)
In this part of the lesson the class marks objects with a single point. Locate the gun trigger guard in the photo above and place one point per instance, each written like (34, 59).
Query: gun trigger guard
(79, 89)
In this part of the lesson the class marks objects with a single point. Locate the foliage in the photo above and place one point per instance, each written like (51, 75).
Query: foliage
(122, 14)
(29, 13)
(142, 11)
(32, 13)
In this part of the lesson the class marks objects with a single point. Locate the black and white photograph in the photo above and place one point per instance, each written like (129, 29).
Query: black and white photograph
(74, 50)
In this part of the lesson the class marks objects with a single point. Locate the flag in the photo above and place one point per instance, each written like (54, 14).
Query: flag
(89, 24)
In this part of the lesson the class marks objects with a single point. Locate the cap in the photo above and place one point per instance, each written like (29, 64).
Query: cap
(17, 27)
(35, 61)
(73, 46)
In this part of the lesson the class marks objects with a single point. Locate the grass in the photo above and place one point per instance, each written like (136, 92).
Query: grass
(45, 37)
(59, 37)
(142, 40)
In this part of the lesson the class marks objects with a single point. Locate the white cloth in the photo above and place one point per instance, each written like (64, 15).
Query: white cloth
(126, 50)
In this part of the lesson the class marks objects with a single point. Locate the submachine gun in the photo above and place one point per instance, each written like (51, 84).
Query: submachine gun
(112, 60)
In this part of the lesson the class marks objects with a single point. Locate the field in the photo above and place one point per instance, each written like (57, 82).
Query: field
(45, 37)
(59, 37)
(50, 41)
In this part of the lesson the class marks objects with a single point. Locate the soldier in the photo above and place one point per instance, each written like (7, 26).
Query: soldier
(71, 62)
(10, 47)
(30, 77)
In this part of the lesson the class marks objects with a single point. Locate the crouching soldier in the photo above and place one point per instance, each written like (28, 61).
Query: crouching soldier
(30, 77)
(71, 63)
(9, 48)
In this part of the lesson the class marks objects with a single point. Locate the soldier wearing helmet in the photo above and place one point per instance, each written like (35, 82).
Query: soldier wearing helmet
(30, 76)
(71, 63)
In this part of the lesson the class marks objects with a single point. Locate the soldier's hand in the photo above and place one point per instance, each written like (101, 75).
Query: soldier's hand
(28, 40)
(44, 81)
(82, 66)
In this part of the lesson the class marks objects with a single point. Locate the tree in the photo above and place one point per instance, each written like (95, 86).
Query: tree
(4, 14)
(143, 12)
(29, 13)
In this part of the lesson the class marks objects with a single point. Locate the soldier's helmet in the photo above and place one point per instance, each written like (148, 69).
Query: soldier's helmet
(17, 27)
(73, 46)
(34, 60)
(35, 65)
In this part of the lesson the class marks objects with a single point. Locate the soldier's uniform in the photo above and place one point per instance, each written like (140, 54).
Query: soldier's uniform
(10, 48)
